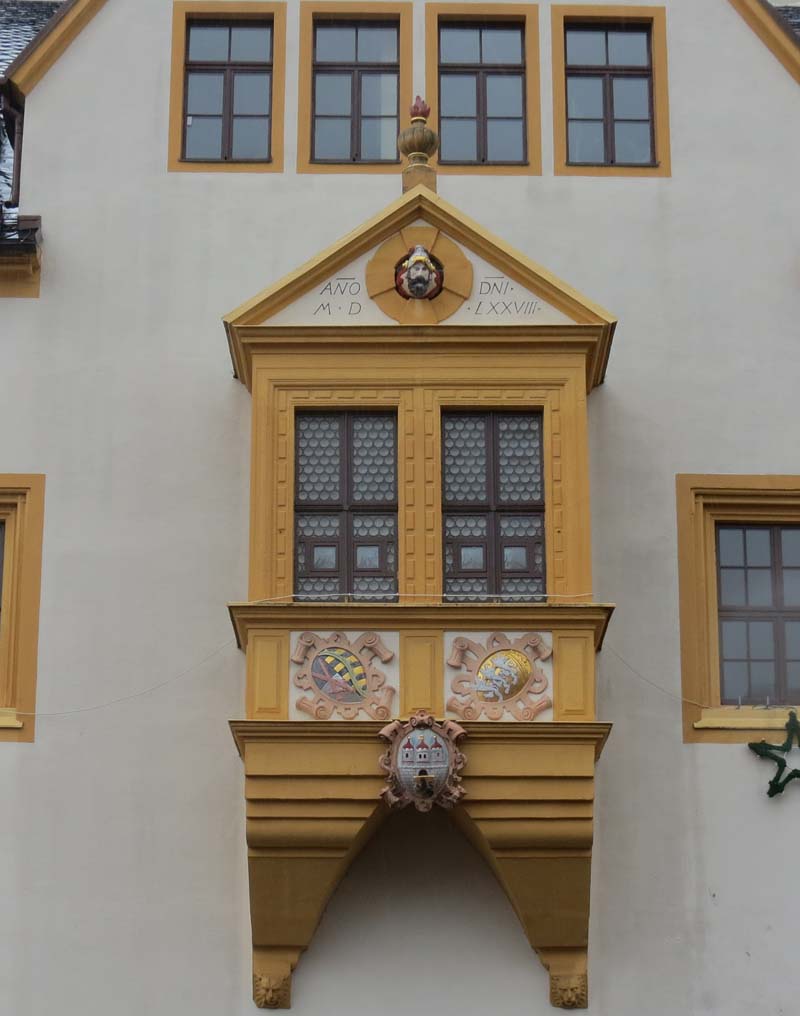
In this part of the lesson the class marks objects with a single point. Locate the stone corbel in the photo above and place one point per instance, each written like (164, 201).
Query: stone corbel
(313, 791)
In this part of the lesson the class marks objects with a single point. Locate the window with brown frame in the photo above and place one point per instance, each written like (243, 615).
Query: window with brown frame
(609, 94)
(227, 115)
(482, 112)
(758, 573)
(345, 506)
(493, 512)
(355, 97)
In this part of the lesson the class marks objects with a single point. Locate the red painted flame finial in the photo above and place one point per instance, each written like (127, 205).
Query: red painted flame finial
(420, 110)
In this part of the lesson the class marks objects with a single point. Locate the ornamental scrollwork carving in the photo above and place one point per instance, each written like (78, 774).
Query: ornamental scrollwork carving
(342, 677)
(498, 677)
(422, 763)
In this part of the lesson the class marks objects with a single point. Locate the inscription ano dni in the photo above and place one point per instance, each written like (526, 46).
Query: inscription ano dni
(336, 297)
(497, 299)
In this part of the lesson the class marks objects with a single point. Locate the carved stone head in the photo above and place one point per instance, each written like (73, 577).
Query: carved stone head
(419, 276)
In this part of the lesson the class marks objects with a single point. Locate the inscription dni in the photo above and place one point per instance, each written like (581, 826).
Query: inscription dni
(497, 299)
(336, 297)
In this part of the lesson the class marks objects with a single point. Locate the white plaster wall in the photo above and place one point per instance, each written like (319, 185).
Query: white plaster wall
(122, 842)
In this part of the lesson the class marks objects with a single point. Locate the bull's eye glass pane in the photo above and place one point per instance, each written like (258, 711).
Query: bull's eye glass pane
(356, 103)
(493, 506)
(759, 612)
(609, 108)
(228, 92)
(481, 98)
(345, 506)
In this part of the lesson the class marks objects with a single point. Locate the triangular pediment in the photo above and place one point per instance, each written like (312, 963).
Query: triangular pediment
(353, 284)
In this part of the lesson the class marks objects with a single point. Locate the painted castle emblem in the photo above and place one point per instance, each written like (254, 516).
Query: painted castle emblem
(498, 677)
(422, 763)
(419, 275)
(342, 678)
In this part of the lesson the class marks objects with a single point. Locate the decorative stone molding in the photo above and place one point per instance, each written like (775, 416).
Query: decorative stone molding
(272, 992)
(499, 676)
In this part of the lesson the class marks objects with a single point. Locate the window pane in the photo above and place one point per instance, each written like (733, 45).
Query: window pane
(459, 140)
(377, 45)
(208, 43)
(373, 457)
(459, 45)
(379, 95)
(465, 464)
(731, 591)
(332, 139)
(332, 94)
(204, 93)
(631, 99)
(515, 558)
(458, 96)
(632, 142)
(792, 636)
(204, 137)
(586, 143)
(790, 546)
(251, 44)
(379, 138)
(503, 95)
(793, 682)
(791, 587)
(251, 93)
(325, 558)
(586, 48)
(368, 558)
(521, 525)
(628, 49)
(585, 97)
(502, 45)
(757, 544)
(472, 559)
(336, 44)
(731, 546)
(465, 525)
(759, 587)
(318, 457)
(762, 681)
(504, 142)
(762, 642)
(734, 681)
(250, 137)
(317, 525)
(734, 640)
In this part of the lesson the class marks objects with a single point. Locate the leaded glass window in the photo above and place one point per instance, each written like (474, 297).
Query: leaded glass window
(493, 506)
(758, 589)
(346, 506)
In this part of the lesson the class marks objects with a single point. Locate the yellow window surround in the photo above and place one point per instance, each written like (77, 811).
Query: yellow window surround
(22, 511)
(655, 18)
(311, 10)
(525, 14)
(182, 12)
(703, 501)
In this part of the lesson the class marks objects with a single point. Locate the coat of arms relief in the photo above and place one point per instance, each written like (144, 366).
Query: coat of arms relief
(500, 677)
(340, 675)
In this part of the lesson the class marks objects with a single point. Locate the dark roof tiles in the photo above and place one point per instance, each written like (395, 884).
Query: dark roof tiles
(791, 15)
(20, 22)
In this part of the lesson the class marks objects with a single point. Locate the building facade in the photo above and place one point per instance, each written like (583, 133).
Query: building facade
(302, 436)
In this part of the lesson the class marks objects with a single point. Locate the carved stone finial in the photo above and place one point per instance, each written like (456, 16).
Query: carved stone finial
(569, 991)
(272, 992)
(419, 144)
